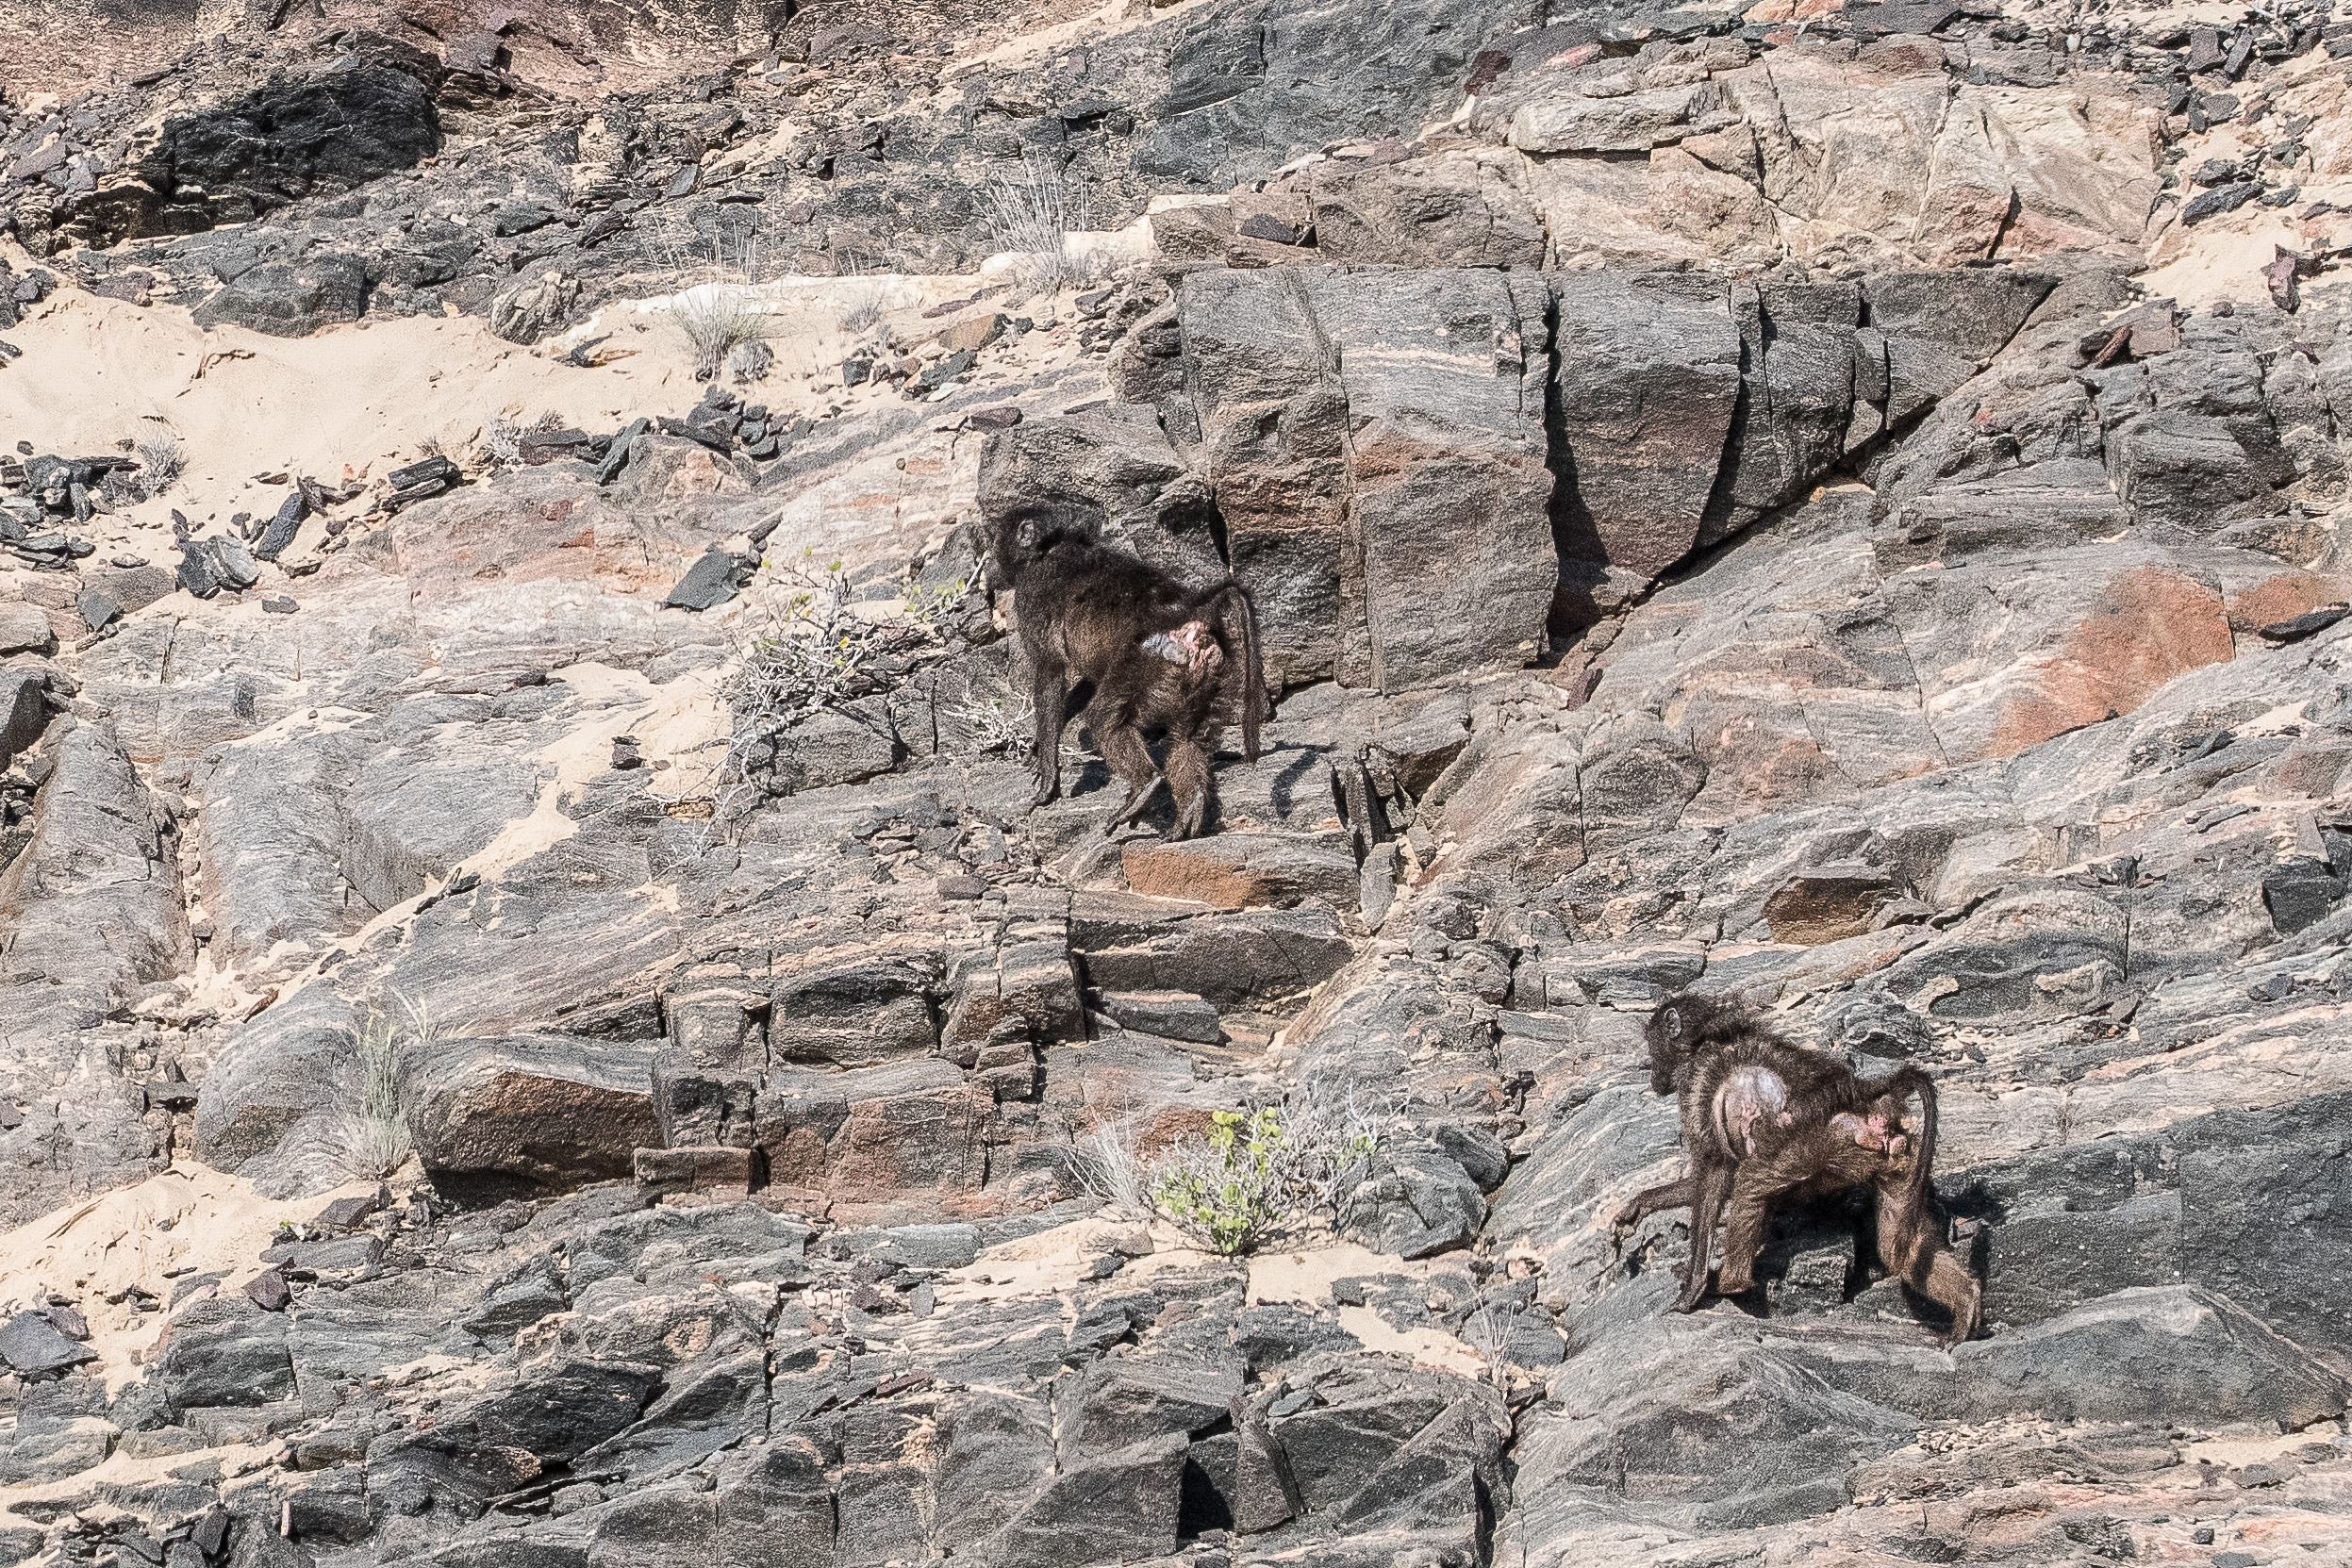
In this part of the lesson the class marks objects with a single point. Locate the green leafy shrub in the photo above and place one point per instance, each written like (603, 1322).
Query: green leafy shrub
(1252, 1176)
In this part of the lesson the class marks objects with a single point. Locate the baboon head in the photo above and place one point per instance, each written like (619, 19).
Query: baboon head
(1668, 1034)
(1680, 1026)
(1031, 529)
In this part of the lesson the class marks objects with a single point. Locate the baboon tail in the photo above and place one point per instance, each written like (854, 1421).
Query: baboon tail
(1910, 1080)
(1252, 674)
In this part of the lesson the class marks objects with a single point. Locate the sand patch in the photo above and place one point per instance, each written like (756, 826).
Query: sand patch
(368, 396)
(1432, 1348)
(216, 1223)
(672, 723)
(1306, 1276)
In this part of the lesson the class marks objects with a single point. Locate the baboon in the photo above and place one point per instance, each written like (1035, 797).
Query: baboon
(1147, 656)
(1762, 1118)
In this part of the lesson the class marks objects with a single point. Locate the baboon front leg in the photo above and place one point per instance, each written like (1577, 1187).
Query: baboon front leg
(1677, 1193)
(1189, 783)
(1048, 695)
(1123, 749)
(1714, 1186)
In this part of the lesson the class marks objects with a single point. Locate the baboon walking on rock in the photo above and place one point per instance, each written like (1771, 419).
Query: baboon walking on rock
(1764, 1119)
(1139, 652)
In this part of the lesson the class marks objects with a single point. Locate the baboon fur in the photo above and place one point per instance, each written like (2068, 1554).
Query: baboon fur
(1762, 1120)
(1143, 653)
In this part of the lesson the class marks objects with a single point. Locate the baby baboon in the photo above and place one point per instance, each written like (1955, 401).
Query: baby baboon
(1762, 1118)
(1150, 655)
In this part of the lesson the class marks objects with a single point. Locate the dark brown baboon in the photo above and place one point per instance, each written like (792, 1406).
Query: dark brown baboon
(1764, 1119)
(1152, 656)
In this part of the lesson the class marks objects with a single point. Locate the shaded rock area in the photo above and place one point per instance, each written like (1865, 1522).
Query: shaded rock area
(541, 1022)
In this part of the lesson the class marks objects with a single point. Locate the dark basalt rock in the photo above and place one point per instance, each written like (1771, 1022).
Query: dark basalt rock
(718, 576)
(31, 1344)
(304, 134)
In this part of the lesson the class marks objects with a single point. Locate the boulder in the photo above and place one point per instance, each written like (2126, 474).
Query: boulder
(91, 903)
(775, 1514)
(1250, 89)
(2030, 955)
(1389, 507)
(2151, 1355)
(1688, 1425)
(533, 1113)
(226, 1351)
(1127, 1400)
(291, 299)
(1242, 870)
(715, 577)
(1257, 956)
(24, 629)
(305, 133)
(2212, 1200)
(1460, 210)
(32, 1345)
(1648, 380)
(875, 1134)
(846, 744)
(1117, 1506)
(24, 711)
(1170, 1015)
(855, 1007)
(1414, 1201)
(531, 310)
(1798, 369)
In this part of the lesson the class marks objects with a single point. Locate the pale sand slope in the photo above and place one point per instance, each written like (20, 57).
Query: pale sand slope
(373, 394)
(93, 1249)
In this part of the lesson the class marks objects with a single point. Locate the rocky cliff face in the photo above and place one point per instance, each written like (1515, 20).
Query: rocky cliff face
(539, 1024)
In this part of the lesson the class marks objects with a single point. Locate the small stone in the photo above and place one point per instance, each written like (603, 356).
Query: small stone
(433, 471)
(1170, 1015)
(345, 1213)
(99, 610)
(278, 606)
(625, 753)
(1265, 225)
(30, 1342)
(280, 530)
(211, 1531)
(711, 581)
(2309, 623)
(961, 888)
(269, 1291)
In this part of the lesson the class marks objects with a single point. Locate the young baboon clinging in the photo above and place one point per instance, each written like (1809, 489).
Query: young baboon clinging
(1150, 655)
(1762, 1119)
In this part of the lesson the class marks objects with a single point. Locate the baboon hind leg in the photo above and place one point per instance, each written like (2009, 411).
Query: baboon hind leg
(1124, 751)
(1189, 783)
